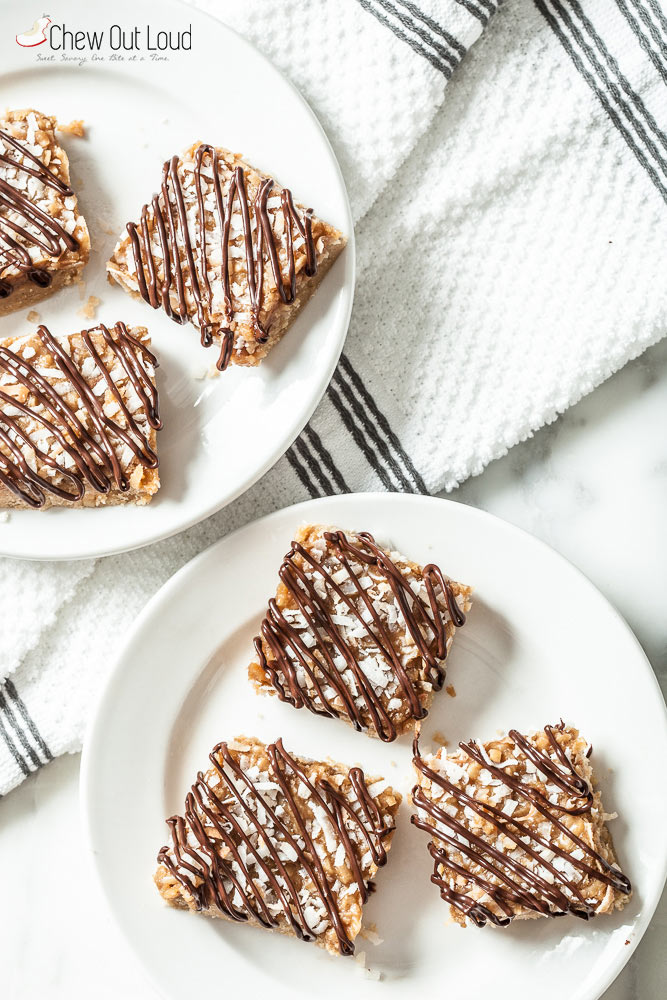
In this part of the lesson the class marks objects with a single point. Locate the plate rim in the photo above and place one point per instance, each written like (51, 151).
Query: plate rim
(94, 730)
(288, 438)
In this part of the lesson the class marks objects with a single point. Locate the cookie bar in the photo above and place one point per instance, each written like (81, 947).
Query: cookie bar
(280, 842)
(44, 242)
(78, 419)
(517, 829)
(358, 632)
(222, 246)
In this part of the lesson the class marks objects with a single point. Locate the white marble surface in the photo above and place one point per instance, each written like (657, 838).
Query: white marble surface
(593, 485)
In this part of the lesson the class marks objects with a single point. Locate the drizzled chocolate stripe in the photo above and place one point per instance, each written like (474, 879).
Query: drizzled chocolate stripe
(516, 885)
(289, 651)
(183, 243)
(36, 228)
(210, 867)
(93, 453)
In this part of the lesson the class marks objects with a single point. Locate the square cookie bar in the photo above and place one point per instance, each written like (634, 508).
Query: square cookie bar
(279, 842)
(517, 829)
(358, 632)
(222, 246)
(78, 419)
(44, 242)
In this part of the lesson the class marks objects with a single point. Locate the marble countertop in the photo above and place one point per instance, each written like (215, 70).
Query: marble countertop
(593, 485)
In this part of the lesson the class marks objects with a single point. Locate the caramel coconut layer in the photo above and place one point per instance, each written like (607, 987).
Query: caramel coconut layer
(357, 632)
(280, 842)
(517, 829)
(44, 242)
(78, 419)
(222, 246)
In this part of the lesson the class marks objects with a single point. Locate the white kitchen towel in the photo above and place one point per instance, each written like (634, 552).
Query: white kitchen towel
(510, 257)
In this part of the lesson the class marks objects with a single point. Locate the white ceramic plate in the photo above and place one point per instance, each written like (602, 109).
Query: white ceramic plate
(220, 435)
(540, 643)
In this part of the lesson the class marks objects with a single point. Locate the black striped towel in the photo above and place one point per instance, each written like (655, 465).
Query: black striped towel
(510, 257)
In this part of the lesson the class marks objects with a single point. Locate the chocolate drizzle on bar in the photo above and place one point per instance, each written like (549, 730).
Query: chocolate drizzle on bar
(36, 228)
(228, 850)
(281, 649)
(93, 452)
(183, 239)
(507, 882)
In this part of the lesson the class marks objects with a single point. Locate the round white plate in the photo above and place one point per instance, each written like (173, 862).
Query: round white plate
(220, 435)
(540, 643)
